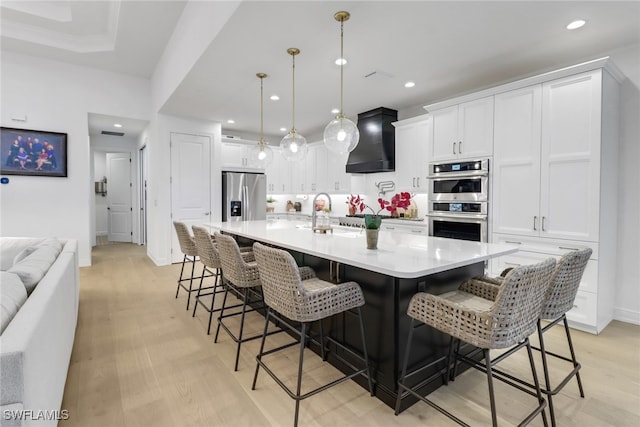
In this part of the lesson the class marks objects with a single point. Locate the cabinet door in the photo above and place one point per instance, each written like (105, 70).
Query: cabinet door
(570, 159)
(411, 155)
(321, 169)
(233, 155)
(445, 134)
(273, 172)
(516, 162)
(475, 128)
(337, 177)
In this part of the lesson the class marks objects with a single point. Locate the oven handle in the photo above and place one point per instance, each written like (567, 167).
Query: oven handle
(459, 218)
(464, 174)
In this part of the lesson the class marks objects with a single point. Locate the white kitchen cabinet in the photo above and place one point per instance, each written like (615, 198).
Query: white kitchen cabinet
(338, 180)
(463, 131)
(279, 176)
(412, 146)
(516, 161)
(554, 181)
(237, 156)
(547, 159)
(419, 229)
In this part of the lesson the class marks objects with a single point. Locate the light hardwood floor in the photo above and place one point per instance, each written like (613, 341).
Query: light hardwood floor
(140, 359)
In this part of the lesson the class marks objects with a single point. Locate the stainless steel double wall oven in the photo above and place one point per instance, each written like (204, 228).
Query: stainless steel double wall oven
(458, 200)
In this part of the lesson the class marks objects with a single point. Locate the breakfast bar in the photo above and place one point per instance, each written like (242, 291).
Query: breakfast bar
(389, 276)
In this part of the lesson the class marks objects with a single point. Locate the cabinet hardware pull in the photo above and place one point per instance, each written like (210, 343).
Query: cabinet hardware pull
(337, 272)
(418, 181)
(535, 220)
(413, 180)
(459, 147)
(330, 270)
(512, 241)
(416, 231)
(567, 248)
(390, 228)
(543, 218)
(454, 147)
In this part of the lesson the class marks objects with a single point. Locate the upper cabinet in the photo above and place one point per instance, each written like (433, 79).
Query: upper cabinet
(412, 153)
(463, 131)
(237, 156)
(547, 159)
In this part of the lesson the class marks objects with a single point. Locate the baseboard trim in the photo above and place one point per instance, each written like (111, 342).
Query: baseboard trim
(626, 315)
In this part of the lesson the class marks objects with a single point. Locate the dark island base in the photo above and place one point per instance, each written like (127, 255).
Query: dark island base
(387, 324)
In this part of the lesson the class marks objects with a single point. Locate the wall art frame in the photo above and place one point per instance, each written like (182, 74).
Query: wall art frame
(31, 152)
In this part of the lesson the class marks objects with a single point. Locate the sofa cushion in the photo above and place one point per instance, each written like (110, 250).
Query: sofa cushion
(33, 267)
(10, 247)
(12, 295)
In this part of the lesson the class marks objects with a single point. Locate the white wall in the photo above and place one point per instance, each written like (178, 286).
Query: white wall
(58, 97)
(627, 304)
(160, 227)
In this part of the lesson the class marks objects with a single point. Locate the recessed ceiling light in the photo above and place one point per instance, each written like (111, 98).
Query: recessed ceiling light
(283, 129)
(274, 97)
(575, 24)
(335, 111)
(341, 61)
(409, 84)
(231, 121)
(117, 125)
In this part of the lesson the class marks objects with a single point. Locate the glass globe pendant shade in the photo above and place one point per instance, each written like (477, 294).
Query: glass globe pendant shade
(261, 155)
(341, 135)
(294, 146)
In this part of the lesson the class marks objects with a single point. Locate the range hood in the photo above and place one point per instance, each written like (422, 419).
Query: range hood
(376, 150)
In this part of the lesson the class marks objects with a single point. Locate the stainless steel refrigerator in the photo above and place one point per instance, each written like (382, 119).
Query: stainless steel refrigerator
(244, 196)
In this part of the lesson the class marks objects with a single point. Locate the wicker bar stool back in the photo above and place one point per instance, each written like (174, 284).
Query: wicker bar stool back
(188, 248)
(241, 277)
(208, 254)
(559, 300)
(487, 317)
(294, 293)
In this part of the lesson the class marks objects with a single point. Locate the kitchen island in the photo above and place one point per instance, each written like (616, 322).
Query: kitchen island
(389, 276)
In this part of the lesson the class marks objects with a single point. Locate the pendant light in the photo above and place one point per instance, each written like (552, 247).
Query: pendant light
(341, 135)
(294, 145)
(261, 154)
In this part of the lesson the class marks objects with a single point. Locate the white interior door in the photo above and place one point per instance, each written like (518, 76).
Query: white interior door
(190, 183)
(119, 188)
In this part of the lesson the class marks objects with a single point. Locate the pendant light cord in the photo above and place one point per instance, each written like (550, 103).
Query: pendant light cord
(293, 110)
(261, 112)
(341, 66)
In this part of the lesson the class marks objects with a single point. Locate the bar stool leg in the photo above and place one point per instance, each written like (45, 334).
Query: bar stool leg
(184, 259)
(259, 356)
(193, 269)
(545, 369)
(487, 358)
(573, 354)
(195, 306)
(244, 308)
(536, 383)
(224, 303)
(303, 335)
(213, 300)
(364, 350)
(404, 366)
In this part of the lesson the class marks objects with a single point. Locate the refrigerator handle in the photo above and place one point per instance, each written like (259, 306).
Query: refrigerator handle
(244, 203)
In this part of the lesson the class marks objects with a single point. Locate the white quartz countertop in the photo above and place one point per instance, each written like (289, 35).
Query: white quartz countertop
(399, 254)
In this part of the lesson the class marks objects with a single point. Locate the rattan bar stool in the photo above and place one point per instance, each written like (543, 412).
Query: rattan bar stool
(208, 254)
(559, 299)
(240, 276)
(188, 248)
(487, 317)
(295, 294)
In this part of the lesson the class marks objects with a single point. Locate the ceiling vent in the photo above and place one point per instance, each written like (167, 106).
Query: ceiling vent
(108, 132)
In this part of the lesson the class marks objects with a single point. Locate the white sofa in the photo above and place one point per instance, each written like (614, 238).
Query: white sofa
(36, 344)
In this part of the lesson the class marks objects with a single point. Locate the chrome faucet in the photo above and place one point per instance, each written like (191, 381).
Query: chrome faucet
(313, 207)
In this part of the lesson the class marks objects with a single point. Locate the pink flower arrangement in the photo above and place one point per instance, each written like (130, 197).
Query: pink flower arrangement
(356, 204)
(398, 201)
